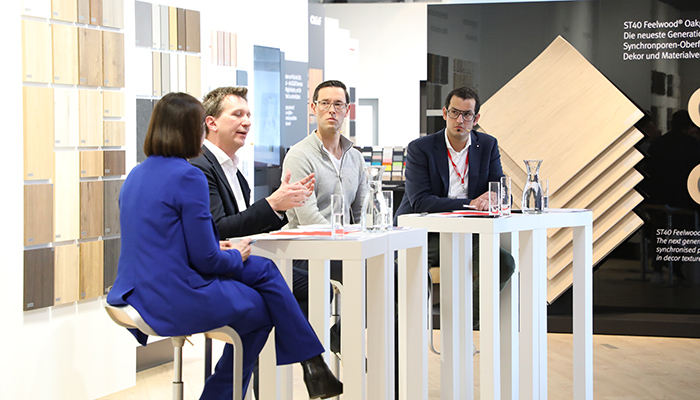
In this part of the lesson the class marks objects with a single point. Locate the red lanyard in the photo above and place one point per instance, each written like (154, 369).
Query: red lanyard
(466, 165)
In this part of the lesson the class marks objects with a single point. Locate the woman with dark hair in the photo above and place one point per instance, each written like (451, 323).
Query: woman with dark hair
(182, 280)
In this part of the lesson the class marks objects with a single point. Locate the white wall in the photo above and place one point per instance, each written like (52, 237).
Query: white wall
(74, 351)
(392, 46)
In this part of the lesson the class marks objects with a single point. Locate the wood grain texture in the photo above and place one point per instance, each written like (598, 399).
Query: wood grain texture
(91, 163)
(90, 56)
(113, 13)
(155, 26)
(114, 163)
(38, 278)
(83, 11)
(66, 117)
(113, 104)
(91, 269)
(164, 28)
(36, 52)
(143, 23)
(181, 30)
(64, 10)
(172, 26)
(66, 204)
(532, 115)
(192, 31)
(38, 214)
(38, 132)
(194, 76)
(113, 59)
(65, 54)
(157, 89)
(90, 118)
(111, 207)
(91, 209)
(114, 133)
(66, 274)
(95, 12)
(111, 261)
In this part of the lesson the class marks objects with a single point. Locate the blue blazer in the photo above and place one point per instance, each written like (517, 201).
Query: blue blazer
(170, 267)
(428, 174)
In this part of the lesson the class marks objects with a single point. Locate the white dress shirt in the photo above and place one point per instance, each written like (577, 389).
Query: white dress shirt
(457, 191)
(230, 167)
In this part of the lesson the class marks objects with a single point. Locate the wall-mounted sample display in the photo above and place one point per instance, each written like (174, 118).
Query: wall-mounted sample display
(67, 196)
(91, 163)
(144, 109)
(38, 278)
(66, 273)
(173, 73)
(64, 10)
(156, 74)
(113, 13)
(143, 82)
(36, 8)
(155, 26)
(36, 52)
(95, 12)
(182, 73)
(172, 25)
(143, 27)
(192, 31)
(38, 133)
(111, 261)
(91, 269)
(90, 57)
(114, 163)
(90, 118)
(65, 54)
(114, 133)
(84, 11)
(111, 206)
(113, 59)
(38, 214)
(91, 209)
(113, 103)
(165, 73)
(194, 76)
(181, 30)
(164, 27)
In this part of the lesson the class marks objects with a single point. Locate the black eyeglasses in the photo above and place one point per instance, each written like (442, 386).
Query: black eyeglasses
(324, 105)
(466, 115)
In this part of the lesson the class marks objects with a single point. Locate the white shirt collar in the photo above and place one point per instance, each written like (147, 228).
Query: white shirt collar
(221, 157)
(449, 146)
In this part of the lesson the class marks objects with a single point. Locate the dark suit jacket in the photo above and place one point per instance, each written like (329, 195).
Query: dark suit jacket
(428, 174)
(257, 218)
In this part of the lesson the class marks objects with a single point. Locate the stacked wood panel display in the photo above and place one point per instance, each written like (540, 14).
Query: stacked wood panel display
(583, 130)
(74, 133)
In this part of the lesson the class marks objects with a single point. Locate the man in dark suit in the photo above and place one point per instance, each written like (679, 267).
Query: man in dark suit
(452, 168)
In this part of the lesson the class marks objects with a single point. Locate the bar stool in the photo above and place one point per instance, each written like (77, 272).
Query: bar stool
(127, 317)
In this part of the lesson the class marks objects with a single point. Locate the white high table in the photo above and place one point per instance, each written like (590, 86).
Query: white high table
(368, 291)
(516, 365)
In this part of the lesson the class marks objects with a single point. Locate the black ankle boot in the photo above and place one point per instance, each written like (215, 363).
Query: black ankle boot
(319, 379)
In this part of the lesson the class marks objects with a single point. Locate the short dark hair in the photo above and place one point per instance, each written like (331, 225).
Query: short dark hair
(214, 100)
(466, 94)
(338, 84)
(175, 129)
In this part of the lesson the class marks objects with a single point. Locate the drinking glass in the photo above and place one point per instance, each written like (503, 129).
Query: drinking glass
(545, 195)
(337, 216)
(494, 198)
(505, 195)
(388, 211)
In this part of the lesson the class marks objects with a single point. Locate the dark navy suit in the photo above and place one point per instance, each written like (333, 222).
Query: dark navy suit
(172, 271)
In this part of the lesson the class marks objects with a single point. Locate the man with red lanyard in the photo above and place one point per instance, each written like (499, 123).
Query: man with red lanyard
(451, 169)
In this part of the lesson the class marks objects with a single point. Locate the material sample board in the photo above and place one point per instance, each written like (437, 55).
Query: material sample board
(90, 56)
(66, 273)
(111, 207)
(38, 133)
(38, 214)
(65, 54)
(91, 269)
(67, 196)
(36, 52)
(91, 209)
(38, 278)
(113, 59)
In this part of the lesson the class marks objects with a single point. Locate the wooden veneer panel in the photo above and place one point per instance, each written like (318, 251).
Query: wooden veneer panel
(192, 31)
(174, 74)
(113, 104)
(226, 47)
(194, 76)
(65, 54)
(66, 117)
(90, 118)
(38, 214)
(113, 59)
(66, 274)
(111, 261)
(172, 26)
(90, 57)
(38, 132)
(601, 248)
(67, 196)
(91, 269)
(214, 46)
(64, 10)
(36, 8)
(233, 45)
(113, 13)
(543, 113)
(157, 90)
(38, 278)
(36, 52)
(143, 23)
(95, 12)
(83, 11)
(181, 30)
(165, 73)
(91, 209)
(111, 207)
(164, 27)
(91, 164)
(114, 163)
(155, 26)
(114, 133)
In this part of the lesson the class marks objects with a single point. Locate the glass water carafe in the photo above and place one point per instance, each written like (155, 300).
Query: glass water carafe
(374, 207)
(532, 193)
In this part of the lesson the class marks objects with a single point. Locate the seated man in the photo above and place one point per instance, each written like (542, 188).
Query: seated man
(452, 168)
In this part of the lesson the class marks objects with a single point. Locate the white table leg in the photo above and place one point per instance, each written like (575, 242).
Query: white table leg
(510, 324)
(540, 281)
(489, 325)
(319, 302)
(529, 345)
(353, 330)
(380, 327)
(583, 313)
